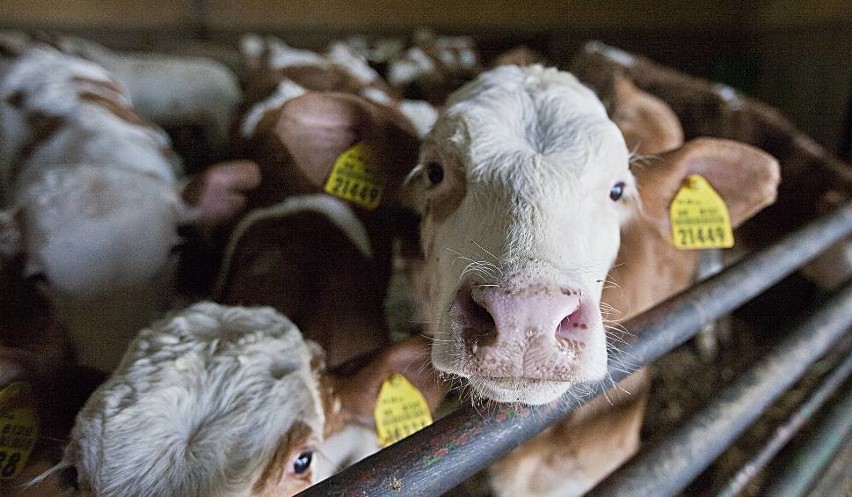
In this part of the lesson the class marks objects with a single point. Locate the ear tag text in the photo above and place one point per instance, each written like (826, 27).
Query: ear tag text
(354, 178)
(400, 410)
(699, 217)
(18, 428)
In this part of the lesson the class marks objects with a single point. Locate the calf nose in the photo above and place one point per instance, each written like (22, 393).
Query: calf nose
(495, 317)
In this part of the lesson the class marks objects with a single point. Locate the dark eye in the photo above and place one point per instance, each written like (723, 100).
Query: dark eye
(617, 191)
(69, 477)
(435, 172)
(303, 462)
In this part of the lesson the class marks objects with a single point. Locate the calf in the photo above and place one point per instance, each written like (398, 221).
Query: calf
(528, 208)
(297, 135)
(219, 400)
(91, 196)
(434, 67)
(171, 91)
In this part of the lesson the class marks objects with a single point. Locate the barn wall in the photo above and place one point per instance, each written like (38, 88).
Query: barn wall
(794, 54)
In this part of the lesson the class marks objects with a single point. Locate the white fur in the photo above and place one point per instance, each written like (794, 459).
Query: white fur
(540, 157)
(343, 449)
(612, 53)
(96, 200)
(286, 90)
(414, 64)
(171, 90)
(197, 407)
(282, 55)
(356, 65)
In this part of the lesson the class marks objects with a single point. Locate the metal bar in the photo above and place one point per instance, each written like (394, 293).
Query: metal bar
(667, 467)
(813, 456)
(441, 456)
(784, 432)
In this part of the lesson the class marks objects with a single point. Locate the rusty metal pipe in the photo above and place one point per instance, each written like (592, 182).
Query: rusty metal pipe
(784, 432)
(443, 455)
(668, 466)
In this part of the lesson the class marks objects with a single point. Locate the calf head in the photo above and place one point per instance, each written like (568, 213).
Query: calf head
(212, 401)
(219, 400)
(523, 185)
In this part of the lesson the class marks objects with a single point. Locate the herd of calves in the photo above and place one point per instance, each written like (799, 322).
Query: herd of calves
(529, 211)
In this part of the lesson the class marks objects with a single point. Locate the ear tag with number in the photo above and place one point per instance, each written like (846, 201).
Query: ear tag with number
(354, 179)
(400, 410)
(18, 428)
(699, 217)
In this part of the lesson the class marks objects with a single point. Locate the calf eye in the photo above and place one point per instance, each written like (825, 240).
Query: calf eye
(617, 191)
(303, 462)
(435, 172)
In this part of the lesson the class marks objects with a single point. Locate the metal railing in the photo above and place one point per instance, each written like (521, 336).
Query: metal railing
(441, 456)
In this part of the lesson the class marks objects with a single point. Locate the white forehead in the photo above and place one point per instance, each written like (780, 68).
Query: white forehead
(511, 116)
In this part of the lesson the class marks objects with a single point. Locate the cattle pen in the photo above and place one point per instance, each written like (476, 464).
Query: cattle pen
(441, 456)
(766, 410)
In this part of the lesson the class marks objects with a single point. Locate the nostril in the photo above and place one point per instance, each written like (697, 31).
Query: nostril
(573, 325)
(477, 324)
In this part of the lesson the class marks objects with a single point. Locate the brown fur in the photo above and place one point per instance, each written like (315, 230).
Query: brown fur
(276, 480)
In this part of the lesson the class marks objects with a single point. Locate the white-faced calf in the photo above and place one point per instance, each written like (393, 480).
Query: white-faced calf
(91, 195)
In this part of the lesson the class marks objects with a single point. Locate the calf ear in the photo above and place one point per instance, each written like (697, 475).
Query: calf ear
(316, 128)
(648, 124)
(218, 194)
(745, 177)
(10, 233)
(358, 391)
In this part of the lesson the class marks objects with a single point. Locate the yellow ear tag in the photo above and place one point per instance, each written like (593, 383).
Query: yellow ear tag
(354, 179)
(400, 410)
(699, 217)
(18, 428)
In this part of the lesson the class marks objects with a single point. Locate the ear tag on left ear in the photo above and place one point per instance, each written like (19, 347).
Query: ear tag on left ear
(18, 428)
(699, 217)
(400, 410)
(354, 178)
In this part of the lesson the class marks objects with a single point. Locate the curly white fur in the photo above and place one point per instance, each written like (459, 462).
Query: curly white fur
(197, 407)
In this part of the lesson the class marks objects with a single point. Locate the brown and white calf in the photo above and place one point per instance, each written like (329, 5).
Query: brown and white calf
(92, 196)
(435, 66)
(296, 135)
(529, 207)
(169, 90)
(225, 401)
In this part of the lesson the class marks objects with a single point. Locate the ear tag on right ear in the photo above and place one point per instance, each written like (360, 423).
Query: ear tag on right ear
(354, 179)
(400, 410)
(699, 217)
(18, 428)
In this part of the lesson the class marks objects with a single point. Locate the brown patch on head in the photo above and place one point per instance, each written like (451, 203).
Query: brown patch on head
(278, 478)
(15, 99)
(113, 106)
(316, 128)
(105, 85)
(411, 358)
(648, 124)
(519, 56)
